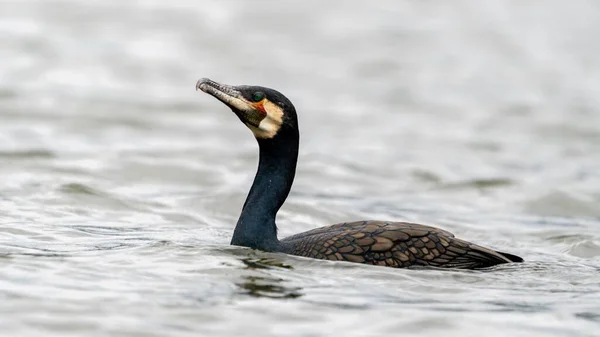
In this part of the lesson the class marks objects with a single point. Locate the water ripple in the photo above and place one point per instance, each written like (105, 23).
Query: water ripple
(121, 184)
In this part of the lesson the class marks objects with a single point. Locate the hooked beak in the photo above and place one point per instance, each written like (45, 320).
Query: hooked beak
(224, 93)
(233, 98)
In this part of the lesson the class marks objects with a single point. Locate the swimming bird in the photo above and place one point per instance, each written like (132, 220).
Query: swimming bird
(272, 119)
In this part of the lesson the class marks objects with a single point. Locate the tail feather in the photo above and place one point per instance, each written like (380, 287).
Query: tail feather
(511, 257)
(481, 257)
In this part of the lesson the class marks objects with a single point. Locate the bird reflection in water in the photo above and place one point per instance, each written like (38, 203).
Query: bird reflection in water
(270, 287)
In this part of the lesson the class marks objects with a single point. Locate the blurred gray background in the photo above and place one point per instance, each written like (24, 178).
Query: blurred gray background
(122, 184)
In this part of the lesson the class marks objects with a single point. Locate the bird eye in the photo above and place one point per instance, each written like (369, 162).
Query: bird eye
(258, 96)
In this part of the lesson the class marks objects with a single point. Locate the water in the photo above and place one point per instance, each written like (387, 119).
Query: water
(121, 184)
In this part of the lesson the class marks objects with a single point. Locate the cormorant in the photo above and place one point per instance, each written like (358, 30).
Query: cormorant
(272, 119)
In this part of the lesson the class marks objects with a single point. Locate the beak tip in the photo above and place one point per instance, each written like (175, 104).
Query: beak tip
(201, 84)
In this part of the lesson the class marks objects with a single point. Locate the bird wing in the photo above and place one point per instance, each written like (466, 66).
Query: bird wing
(393, 244)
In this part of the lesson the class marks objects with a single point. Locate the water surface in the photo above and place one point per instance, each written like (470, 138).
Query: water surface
(121, 184)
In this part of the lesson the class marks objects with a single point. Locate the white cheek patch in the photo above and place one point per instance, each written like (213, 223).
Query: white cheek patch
(270, 125)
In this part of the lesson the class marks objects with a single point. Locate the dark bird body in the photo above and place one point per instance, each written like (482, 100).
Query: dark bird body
(272, 118)
(392, 244)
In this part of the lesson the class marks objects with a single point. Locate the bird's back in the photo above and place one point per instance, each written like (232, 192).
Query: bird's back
(392, 244)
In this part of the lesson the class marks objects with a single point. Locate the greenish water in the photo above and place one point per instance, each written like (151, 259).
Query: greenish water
(121, 184)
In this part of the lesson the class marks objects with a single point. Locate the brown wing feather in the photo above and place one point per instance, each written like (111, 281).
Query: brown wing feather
(393, 244)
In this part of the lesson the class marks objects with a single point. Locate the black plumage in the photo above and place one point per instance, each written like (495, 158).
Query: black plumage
(272, 118)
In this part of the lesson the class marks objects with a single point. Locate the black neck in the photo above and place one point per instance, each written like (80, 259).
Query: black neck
(276, 169)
